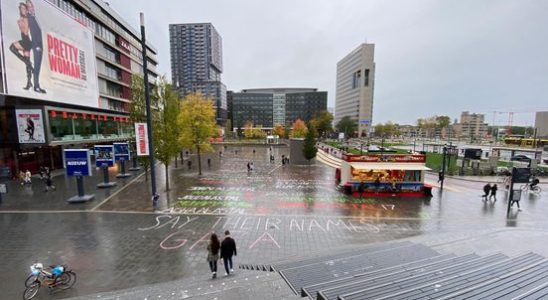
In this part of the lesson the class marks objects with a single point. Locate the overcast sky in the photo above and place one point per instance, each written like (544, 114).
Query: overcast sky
(432, 57)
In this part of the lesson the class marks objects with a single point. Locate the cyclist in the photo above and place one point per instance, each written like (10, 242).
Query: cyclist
(534, 182)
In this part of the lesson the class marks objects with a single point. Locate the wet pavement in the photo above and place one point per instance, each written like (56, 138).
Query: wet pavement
(274, 212)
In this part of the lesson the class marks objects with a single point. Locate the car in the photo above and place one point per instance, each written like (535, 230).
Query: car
(520, 158)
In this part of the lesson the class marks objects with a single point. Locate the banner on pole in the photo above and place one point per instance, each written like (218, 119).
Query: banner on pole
(141, 139)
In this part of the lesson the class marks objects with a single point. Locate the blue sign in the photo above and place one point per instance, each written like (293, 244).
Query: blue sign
(364, 122)
(77, 162)
(121, 151)
(104, 155)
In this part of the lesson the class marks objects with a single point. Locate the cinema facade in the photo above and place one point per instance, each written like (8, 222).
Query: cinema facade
(66, 80)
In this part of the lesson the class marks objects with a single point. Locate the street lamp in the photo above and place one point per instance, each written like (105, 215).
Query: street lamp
(442, 172)
(149, 118)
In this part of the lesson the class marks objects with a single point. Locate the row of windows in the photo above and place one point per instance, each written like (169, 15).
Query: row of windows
(356, 78)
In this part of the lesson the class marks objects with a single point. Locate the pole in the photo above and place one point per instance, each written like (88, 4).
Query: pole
(443, 167)
(80, 185)
(511, 193)
(147, 104)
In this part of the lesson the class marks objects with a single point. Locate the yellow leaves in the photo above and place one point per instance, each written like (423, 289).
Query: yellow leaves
(197, 121)
(299, 129)
(279, 130)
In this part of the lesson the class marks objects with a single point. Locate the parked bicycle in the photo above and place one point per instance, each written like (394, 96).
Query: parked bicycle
(57, 277)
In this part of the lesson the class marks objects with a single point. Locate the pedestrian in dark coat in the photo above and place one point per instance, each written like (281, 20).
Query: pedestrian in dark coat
(49, 183)
(486, 190)
(228, 249)
(494, 189)
(213, 254)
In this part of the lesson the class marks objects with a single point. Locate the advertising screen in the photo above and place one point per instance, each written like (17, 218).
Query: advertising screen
(30, 126)
(104, 155)
(77, 162)
(48, 55)
(121, 151)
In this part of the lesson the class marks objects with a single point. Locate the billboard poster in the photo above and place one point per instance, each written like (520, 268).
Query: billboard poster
(104, 155)
(121, 151)
(141, 139)
(48, 55)
(77, 162)
(30, 126)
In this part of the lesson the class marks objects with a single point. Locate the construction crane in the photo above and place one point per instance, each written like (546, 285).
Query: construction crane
(511, 118)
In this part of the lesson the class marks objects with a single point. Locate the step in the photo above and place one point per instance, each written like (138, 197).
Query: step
(388, 287)
(451, 281)
(509, 286)
(311, 290)
(329, 270)
(536, 294)
(359, 283)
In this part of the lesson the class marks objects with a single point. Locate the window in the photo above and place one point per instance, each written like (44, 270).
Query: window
(366, 77)
(356, 79)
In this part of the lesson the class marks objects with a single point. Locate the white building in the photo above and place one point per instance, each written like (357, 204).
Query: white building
(355, 85)
(541, 123)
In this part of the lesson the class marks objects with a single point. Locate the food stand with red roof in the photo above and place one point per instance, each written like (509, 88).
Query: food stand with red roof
(383, 174)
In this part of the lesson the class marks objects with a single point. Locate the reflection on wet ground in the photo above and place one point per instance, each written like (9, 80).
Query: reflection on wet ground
(274, 212)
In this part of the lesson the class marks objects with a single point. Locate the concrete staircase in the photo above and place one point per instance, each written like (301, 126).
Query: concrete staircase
(414, 271)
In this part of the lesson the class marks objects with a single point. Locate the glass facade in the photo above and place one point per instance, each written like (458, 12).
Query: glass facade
(279, 109)
(80, 129)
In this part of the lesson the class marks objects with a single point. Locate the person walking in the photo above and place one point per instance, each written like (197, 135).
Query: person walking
(228, 249)
(486, 190)
(49, 183)
(189, 164)
(28, 177)
(494, 189)
(213, 254)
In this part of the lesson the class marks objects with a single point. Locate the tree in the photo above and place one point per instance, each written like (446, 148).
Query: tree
(309, 146)
(322, 122)
(348, 126)
(279, 130)
(258, 132)
(299, 129)
(197, 123)
(137, 111)
(228, 127)
(442, 121)
(248, 130)
(165, 130)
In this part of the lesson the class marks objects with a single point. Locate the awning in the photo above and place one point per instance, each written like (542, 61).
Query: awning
(388, 166)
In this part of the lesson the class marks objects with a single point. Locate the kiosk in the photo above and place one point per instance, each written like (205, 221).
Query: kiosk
(383, 175)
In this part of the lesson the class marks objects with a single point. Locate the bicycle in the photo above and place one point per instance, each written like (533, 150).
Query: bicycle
(527, 187)
(58, 277)
(504, 180)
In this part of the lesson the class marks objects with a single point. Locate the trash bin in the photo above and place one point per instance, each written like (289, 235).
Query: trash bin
(516, 195)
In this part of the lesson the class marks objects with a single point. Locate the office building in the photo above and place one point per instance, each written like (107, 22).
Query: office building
(197, 63)
(471, 126)
(267, 107)
(355, 86)
(541, 123)
(75, 89)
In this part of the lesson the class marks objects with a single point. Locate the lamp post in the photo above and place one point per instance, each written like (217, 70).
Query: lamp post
(149, 116)
(442, 173)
